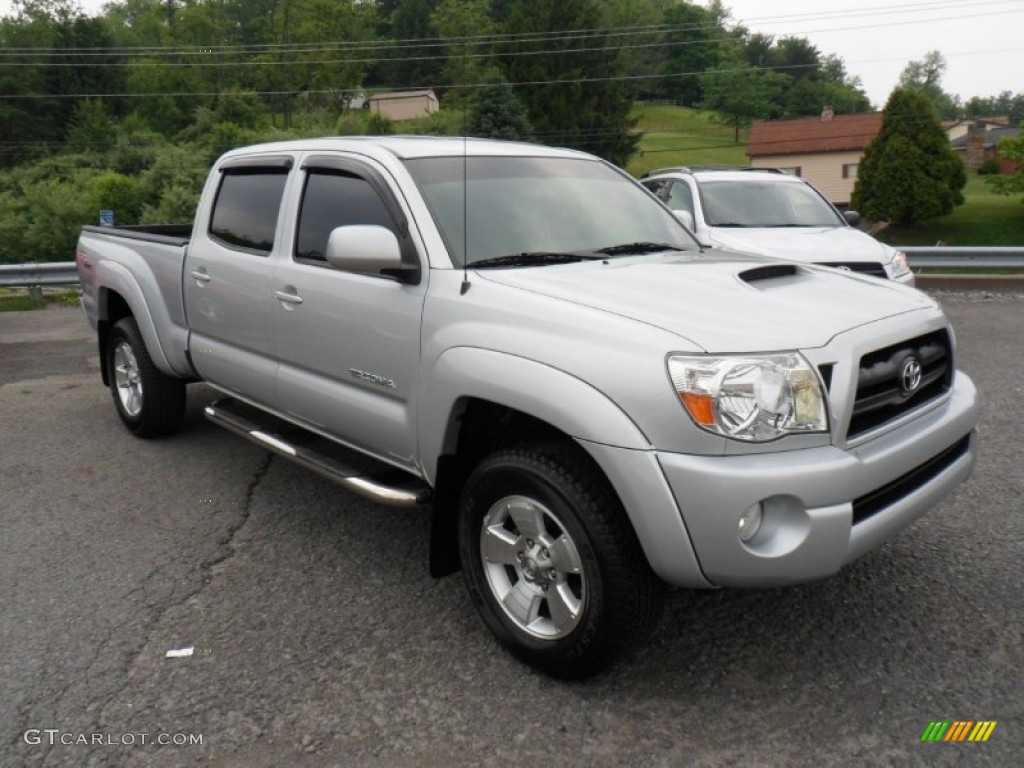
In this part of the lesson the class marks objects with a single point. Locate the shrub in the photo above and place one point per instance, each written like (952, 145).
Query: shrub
(989, 167)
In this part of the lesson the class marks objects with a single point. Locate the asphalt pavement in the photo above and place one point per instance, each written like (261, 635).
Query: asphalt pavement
(319, 638)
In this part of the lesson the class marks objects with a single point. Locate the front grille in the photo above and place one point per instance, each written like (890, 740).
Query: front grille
(880, 395)
(860, 267)
(880, 498)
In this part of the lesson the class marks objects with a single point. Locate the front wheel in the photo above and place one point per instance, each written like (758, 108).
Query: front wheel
(149, 402)
(551, 560)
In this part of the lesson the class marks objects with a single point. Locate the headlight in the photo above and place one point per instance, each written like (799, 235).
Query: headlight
(899, 266)
(750, 398)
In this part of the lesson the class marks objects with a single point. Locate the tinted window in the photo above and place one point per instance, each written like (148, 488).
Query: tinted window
(335, 199)
(245, 214)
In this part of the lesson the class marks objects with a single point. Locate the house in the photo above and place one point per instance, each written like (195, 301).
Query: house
(979, 141)
(957, 129)
(823, 150)
(404, 105)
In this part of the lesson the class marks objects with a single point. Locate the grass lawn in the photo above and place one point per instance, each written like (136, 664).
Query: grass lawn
(984, 219)
(683, 136)
(18, 299)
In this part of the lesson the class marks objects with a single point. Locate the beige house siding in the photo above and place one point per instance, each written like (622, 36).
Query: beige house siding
(397, 106)
(824, 171)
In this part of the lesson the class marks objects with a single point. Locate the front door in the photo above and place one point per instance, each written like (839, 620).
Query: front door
(348, 343)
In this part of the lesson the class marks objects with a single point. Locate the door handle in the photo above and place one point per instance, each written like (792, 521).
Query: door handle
(288, 298)
(200, 275)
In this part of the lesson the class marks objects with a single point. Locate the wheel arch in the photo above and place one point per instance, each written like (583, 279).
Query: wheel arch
(120, 296)
(502, 400)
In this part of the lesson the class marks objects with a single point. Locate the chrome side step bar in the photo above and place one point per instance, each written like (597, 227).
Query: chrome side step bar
(367, 477)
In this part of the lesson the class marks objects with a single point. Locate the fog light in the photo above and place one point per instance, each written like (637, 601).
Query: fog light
(750, 523)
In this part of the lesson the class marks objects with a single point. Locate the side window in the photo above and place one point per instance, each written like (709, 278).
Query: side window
(245, 213)
(660, 188)
(681, 198)
(335, 199)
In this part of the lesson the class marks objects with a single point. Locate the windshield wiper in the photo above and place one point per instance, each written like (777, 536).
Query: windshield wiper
(729, 224)
(528, 259)
(642, 247)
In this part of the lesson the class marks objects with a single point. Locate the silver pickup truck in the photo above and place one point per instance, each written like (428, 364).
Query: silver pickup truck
(530, 344)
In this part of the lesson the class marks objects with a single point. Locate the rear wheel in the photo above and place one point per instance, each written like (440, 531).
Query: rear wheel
(149, 402)
(552, 561)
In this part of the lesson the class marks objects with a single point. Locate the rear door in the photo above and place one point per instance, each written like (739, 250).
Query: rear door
(349, 343)
(227, 282)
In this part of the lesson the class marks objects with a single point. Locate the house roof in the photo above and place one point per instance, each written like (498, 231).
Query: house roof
(842, 133)
(991, 138)
(996, 121)
(403, 95)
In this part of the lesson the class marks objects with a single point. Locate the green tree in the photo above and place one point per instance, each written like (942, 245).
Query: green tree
(925, 76)
(575, 91)
(413, 67)
(1010, 183)
(692, 49)
(739, 94)
(454, 21)
(118, 193)
(496, 112)
(909, 173)
(91, 126)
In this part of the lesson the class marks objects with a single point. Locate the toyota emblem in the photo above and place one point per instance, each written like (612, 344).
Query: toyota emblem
(910, 376)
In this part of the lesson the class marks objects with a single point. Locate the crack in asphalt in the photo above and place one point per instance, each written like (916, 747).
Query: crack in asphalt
(227, 550)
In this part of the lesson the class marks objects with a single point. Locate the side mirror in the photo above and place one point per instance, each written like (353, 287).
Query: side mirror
(852, 218)
(686, 218)
(363, 248)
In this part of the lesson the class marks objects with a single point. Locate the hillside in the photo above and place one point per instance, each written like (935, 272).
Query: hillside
(682, 136)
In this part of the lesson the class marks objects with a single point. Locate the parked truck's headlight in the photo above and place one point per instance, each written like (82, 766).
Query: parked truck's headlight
(750, 398)
(899, 266)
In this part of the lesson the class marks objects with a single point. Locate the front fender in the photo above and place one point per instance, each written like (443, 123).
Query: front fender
(536, 389)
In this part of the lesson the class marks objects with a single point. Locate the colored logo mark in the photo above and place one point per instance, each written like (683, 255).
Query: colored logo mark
(958, 730)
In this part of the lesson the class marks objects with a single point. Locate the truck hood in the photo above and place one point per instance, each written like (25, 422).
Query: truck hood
(720, 301)
(805, 244)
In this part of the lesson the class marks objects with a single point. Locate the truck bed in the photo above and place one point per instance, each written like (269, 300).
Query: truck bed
(170, 234)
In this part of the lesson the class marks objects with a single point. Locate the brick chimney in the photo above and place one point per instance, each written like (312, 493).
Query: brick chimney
(975, 145)
(827, 114)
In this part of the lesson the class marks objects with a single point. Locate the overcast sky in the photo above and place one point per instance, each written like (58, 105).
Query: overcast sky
(982, 40)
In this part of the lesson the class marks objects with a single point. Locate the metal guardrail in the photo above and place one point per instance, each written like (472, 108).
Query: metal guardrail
(965, 257)
(921, 257)
(32, 275)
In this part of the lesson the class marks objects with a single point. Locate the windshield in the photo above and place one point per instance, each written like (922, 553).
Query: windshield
(751, 203)
(507, 206)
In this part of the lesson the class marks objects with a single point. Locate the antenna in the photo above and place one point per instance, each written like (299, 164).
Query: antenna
(465, 187)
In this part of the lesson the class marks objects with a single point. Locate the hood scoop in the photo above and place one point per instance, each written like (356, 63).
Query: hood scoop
(769, 272)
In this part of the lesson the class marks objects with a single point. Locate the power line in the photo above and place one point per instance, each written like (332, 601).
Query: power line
(456, 86)
(519, 38)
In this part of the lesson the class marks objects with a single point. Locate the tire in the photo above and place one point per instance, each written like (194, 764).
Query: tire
(150, 403)
(552, 562)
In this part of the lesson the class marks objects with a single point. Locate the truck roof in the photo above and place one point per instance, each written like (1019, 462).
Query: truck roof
(406, 147)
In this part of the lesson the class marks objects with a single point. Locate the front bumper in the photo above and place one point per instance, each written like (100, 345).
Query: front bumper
(822, 507)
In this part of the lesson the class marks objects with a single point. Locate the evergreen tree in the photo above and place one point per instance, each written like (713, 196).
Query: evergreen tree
(909, 173)
(574, 88)
(496, 113)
